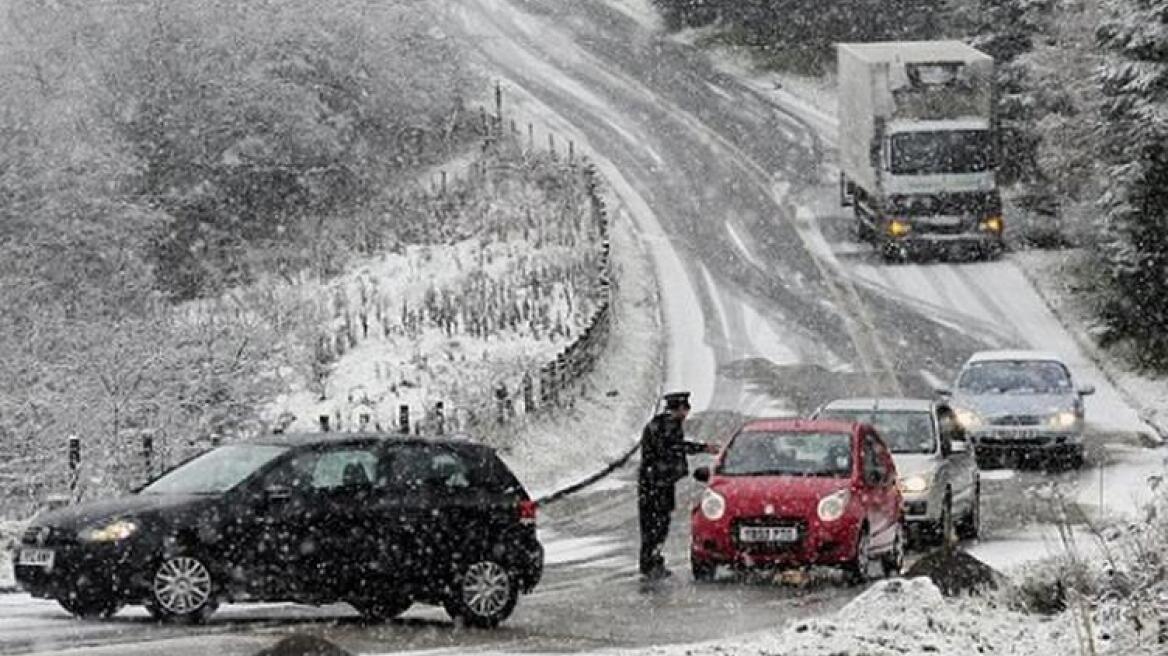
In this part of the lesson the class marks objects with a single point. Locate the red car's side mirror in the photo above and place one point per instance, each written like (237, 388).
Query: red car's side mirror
(702, 474)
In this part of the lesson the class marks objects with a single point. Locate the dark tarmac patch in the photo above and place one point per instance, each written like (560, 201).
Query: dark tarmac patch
(301, 644)
(956, 573)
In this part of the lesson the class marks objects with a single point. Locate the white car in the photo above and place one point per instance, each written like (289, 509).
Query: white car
(938, 476)
(1020, 404)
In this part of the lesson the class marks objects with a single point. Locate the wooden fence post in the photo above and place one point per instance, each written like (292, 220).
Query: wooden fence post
(74, 464)
(403, 419)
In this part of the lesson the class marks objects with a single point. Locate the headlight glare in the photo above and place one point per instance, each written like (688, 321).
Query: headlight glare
(713, 505)
(1065, 419)
(111, 532)
(967, 418)
(914, 483)
(832, 506)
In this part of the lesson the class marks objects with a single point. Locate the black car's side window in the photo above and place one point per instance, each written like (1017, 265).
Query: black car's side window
(320, 470)
(428, 468)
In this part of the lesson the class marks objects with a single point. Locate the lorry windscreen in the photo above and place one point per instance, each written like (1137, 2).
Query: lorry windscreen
(949, 151)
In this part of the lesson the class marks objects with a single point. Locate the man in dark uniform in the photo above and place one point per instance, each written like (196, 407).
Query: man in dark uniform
(663, 463)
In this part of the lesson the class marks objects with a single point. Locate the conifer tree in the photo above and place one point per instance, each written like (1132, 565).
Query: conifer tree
(1132, 271)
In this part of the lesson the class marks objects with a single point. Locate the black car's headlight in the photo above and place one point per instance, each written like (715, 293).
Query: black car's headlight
(109, 532)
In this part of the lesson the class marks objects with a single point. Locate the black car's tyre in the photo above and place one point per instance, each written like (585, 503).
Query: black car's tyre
(483, 594)
(182, 589)
(703, 571)
(381, 610)
(87, 607)
(970, 526)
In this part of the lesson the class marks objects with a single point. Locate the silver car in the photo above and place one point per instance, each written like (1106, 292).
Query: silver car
(1020, 404)
(938, 476)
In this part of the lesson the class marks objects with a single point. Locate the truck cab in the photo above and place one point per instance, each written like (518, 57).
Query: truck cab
(917, 146)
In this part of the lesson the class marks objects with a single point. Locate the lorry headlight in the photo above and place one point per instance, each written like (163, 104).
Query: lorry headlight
(713, 505)
(832, 506)
(899, 227)
(967, 418)
(1064, 419)
(914, 483)
(111, 532)
(992, 224)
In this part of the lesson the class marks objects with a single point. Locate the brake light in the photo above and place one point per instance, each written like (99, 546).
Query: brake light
(527, 512)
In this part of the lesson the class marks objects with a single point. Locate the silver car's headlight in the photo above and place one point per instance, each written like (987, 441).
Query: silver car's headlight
(967, 418)
(1064, 419)
(913, 484)
(111, 532)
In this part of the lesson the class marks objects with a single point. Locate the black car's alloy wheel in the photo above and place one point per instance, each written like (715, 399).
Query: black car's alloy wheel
(182, 589)
(484, 594)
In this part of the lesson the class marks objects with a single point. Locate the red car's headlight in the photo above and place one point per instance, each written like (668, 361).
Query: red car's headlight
(832, 506)
(713, 505)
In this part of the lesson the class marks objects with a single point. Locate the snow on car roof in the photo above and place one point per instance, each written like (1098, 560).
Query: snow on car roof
(997, 356)
(888, 403)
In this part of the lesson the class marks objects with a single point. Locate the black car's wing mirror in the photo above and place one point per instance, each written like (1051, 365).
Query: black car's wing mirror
(702, 474)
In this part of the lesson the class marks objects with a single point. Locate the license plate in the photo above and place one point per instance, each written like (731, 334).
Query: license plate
(36, 557)
(768, 534)
(1016, 435)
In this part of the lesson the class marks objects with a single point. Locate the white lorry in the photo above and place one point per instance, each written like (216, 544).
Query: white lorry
(916, 146)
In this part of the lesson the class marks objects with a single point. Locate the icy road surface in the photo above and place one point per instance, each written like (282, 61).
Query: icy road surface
(768, 308)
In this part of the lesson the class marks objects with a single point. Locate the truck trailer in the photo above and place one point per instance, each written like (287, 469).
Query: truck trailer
(917, 146)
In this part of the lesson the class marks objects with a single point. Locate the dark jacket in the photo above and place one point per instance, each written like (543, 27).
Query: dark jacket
(664, 450)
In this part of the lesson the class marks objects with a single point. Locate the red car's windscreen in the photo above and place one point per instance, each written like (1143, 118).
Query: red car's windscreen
(767, 453)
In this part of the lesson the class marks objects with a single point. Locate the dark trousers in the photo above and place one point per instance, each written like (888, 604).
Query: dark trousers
(655, 504)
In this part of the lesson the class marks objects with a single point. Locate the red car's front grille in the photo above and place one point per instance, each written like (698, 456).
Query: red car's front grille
(799, 524)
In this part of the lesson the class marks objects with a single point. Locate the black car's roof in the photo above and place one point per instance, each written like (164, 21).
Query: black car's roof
(312, 439)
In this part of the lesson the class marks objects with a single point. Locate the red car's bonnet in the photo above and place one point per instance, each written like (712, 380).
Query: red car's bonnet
(753, 496)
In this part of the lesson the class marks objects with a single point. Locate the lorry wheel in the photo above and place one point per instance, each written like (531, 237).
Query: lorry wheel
(892, 252)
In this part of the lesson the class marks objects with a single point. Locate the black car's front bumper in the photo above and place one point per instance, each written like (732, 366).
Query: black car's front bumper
(106, 571)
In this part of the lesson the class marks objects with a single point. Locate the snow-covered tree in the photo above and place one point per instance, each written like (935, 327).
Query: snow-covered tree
(1133, 258)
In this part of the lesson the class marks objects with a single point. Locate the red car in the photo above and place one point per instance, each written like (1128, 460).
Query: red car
(798, 493)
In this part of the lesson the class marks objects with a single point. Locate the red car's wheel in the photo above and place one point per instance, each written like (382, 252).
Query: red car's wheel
(703, 570)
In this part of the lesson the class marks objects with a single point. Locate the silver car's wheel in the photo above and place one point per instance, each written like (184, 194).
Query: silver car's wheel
(182, 589)
(893, 561)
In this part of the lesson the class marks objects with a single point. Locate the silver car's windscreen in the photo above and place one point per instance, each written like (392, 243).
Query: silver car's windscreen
(768, 453)
(1015, 377)
(903, 431)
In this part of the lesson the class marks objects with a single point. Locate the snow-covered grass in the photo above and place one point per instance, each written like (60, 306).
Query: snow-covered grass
(560, 448)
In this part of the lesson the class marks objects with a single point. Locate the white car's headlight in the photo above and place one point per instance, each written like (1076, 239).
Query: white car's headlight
(713, 505)
(1065, 419)
(832, 506)
(967, 418)
(914, 483)
(112, 532)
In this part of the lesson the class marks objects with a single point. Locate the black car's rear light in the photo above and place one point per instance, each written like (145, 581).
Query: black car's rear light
(527, 512)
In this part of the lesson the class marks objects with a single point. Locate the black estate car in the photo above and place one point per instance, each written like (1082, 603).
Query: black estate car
(377, 521)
